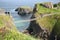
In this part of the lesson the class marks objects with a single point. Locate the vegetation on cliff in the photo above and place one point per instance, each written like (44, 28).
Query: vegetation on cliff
(48, 20)
(45, 27)
(9, 32)
(50, 23)
(42, 9)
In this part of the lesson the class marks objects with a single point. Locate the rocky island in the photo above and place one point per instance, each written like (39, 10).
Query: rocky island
(24, 10)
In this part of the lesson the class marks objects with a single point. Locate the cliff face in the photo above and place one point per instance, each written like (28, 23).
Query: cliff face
(45, 27)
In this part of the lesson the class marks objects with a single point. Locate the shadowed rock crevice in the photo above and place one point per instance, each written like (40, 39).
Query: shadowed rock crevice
(52, 34)
(35, 28)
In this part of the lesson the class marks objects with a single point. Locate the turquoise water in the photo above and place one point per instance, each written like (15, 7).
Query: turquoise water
(21, 26)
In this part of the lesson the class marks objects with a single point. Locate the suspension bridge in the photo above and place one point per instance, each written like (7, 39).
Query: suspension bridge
(28, 20)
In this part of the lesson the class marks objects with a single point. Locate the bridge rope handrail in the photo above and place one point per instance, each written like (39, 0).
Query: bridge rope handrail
(35, 18)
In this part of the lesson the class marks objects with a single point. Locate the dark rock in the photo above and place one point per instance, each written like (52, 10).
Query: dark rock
(7, 13)
(16, 9)
(35, 8)
(55, 35)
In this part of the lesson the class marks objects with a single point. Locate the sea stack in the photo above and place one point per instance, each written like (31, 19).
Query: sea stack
(24, 10)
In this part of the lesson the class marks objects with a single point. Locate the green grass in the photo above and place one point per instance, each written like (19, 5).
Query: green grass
(1, 22)
(9, 31)
(14, 35)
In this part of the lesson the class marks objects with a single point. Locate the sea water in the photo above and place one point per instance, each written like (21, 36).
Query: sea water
(21, 26)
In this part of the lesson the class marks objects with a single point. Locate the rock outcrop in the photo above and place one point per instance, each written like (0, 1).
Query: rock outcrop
(24, 10)
(48, 5)
(47, 27)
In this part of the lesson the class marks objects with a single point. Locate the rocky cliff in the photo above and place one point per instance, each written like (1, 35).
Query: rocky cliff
(46, 27)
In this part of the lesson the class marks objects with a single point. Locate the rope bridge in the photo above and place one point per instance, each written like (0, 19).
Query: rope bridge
(34, 18)
(28, 20)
